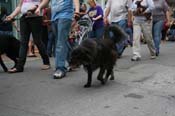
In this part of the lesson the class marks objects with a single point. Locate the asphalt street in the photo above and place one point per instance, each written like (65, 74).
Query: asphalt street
(144, 88)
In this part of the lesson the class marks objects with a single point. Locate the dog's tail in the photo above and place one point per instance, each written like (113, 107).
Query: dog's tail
(115, 33)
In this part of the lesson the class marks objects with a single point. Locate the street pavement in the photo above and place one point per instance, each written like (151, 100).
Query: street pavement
(144, 88)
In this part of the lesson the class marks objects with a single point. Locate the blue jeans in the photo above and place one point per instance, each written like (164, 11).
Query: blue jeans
(120, 46)
(97, 33)
(51, 44)
(61, 28)
(157, 35)
(129, 31)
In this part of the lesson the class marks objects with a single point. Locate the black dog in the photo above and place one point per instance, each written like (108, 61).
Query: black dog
(9, 45)
(93, 54)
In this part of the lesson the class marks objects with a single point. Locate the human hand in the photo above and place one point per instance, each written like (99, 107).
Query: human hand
(129, 24)
(9, 18)
(94, 19)
(76, 16)
(38, 11)
(106, 22)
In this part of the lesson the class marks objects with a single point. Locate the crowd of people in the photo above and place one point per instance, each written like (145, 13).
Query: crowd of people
(49, 27)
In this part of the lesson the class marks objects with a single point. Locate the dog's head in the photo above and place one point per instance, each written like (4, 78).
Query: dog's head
(114, 33)
(79, 56)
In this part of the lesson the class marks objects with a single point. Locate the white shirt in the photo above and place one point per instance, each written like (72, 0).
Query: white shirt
(118, 9)
(28, 4)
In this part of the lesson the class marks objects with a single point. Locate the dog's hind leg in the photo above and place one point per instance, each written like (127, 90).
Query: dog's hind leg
(108, 73)
(100, 75)
(3, 65)
(89, 80)
(112, 75)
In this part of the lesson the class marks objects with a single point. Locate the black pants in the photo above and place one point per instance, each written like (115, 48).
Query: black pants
(27, 26)
(45, 35)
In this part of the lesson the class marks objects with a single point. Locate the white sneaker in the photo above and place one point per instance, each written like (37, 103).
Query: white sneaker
(59, 74)
(153, 57)
(135, 58)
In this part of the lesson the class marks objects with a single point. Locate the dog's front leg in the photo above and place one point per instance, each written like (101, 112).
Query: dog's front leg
(109, 72)
(112, 75)
(89, 80)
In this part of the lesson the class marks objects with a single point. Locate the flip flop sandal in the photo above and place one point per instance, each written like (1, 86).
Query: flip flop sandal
(14, 70)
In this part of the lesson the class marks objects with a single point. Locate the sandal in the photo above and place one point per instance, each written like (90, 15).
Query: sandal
(14, 70)
(32, 55)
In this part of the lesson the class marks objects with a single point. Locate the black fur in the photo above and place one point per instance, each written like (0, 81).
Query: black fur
(93, 54)
(9, 45)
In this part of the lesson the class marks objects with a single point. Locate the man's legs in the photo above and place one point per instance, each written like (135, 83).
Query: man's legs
(157, 29)
(147, 33)
(136, 42)
(121, 46)
(36, 26)
(62, 27)
(25, 35)
(99, 33)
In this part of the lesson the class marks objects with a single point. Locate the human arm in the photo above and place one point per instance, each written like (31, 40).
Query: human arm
(77, 6)
(106, 15)
(150, 7)
(168, 19)
(15, 12)
(99, 14)
(130, 16)
(167, 13)
(77, 9)
(96, 18)
(41, 6)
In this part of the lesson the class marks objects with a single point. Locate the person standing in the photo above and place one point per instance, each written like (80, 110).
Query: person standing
(161, 14)
(95, 12)
(119, 15)
(62, 13)
(29, 23)
(142, 23)
(83, 10)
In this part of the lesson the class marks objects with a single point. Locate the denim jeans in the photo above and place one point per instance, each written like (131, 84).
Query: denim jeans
(129, 31)
(61, 28)
(120, 46)
(97, 33)
(28, 26)
(51, 44)
(157, 35)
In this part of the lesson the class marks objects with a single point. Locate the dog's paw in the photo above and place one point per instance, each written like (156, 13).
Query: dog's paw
(87, 86)
(103, 81)
(112, 78)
